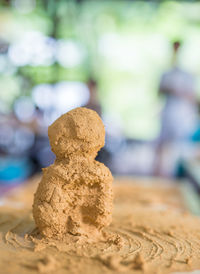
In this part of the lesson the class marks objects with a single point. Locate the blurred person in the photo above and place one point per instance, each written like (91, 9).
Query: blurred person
(179, 116)
(16, 141)
(93, 101)
(104, 155)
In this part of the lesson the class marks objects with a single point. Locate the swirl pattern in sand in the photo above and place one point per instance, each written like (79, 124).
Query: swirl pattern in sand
(149, 234)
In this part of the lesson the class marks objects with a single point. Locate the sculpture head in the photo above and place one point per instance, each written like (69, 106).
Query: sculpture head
(77, 132)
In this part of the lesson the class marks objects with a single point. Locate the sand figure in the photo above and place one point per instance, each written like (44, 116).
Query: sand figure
(75, 194)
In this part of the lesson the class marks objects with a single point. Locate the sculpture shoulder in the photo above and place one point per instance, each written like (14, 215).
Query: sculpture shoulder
(59, 173)
(99, 172)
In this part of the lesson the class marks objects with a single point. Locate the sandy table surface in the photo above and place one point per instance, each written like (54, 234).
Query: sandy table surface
(151, 232)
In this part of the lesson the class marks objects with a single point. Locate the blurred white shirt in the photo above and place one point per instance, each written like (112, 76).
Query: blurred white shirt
(180, 113)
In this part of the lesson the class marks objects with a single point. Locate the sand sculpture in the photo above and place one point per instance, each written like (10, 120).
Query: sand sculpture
(75, 193)
(151, 231)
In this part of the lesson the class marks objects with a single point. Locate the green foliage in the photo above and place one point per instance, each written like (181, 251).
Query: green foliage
(127, 46)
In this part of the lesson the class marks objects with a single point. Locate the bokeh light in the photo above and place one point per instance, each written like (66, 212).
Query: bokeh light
(70, 95)
(34, 49)
(24, 109)
(43, 95)
(69, 53)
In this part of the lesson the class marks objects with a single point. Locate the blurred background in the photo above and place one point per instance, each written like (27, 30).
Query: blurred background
(137, 63)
